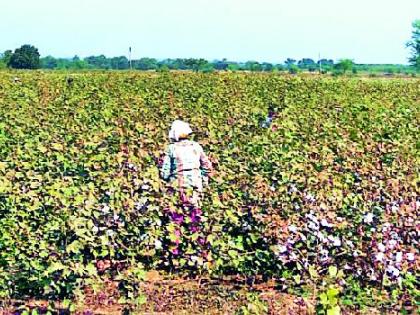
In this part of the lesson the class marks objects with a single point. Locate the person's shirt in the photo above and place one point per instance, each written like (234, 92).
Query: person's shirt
(186, 161)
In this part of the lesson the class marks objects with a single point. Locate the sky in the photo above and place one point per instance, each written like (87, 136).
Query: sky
(367, 31)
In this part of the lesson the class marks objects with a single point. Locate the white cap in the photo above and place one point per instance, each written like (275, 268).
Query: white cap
(179, 128)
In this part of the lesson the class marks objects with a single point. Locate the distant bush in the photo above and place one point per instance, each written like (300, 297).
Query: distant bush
(163, 68)
(293, 69)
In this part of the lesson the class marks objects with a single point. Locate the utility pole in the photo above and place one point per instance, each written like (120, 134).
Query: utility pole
(129, 57)
(320, 62)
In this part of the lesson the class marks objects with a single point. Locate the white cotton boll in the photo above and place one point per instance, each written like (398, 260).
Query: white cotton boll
(313, 226)
(303, 237)
(293, 256)
(325, 223)
(309, 197)
(312, 217)
(386, 227)
(292, 228)
(337, 242)
(393, 271)
(398, 257)
(272, 188)
(145, 187)
(105, 209)
(350, 244)
(394, 208)
(379, 256)
(392, 243)
(158, 244)
(368, 218)
(116, 217)
(95, 229)
(110, 233)
(321, 237)
(334, 240)
(282, 249)
(410, 256)
(381, 247)
(290, 241)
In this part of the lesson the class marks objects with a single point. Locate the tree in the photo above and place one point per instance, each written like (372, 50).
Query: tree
(266, 66)
(145, 64)
(306, 62)
(344, 65)
(98, 62)
(252, 66)
(293, 69)
(414, 45)
(49, 62)
(119, 63)
(233, 66)
(25, 57)
(221, 64)
(289, 62)
(5, 58)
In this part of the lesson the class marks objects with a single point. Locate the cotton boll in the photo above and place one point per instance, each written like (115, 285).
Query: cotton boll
(325, 223)
(105, 209)
(410, 256)
(368, 218)
(379, 256)
(381, 247)
(398, 257)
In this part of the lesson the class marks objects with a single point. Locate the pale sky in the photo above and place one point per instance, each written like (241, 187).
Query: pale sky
(367, 31)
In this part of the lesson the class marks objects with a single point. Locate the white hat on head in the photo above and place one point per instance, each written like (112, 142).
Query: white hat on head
(179, 129)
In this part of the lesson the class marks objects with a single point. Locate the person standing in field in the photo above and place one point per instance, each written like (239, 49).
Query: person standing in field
(187, 168)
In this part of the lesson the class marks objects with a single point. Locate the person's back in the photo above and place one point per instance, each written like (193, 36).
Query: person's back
(185, 165)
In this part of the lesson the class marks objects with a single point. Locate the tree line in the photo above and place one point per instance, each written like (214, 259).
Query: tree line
(28, 57)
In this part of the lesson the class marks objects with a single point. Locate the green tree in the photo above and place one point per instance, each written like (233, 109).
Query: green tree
(289, 62)
(49, 62)
(25, 57)
(253, 66)
(414, 45)
(344, 65)
(293, 69)
(233, 66)
(5, 58)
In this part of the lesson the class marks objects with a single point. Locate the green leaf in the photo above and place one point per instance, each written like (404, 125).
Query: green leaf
(323, 298)
(334, 310)
(66, 303)
(312, 272)
(91, 269)
(332, 270)
(140, 300)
